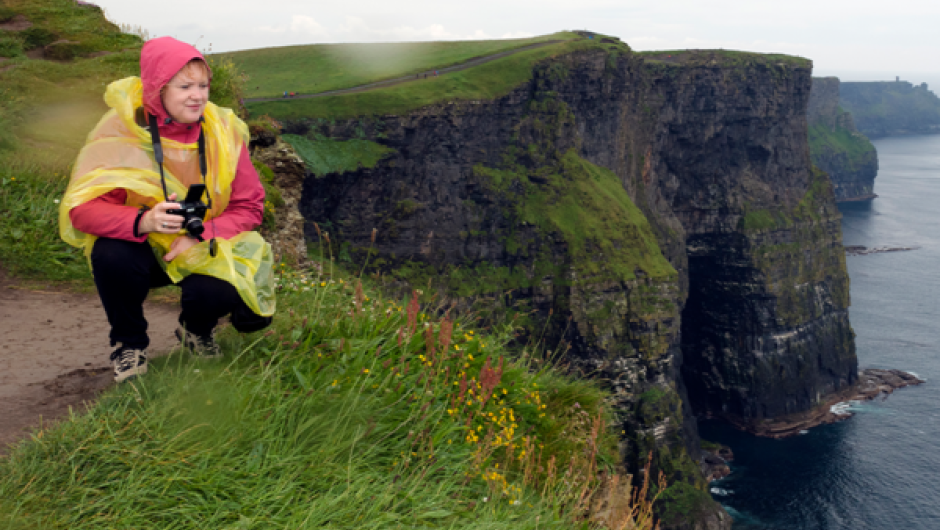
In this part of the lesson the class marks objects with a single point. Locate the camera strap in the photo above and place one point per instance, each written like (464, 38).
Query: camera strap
(203, 167)
(158, 156)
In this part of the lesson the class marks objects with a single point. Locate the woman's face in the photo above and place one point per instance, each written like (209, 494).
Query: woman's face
(186, 94)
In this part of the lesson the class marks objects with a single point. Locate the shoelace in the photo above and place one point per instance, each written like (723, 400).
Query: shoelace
(128, 358)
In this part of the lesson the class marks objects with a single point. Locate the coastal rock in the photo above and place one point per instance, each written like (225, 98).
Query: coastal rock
(836, 147)
(860, 250)
(891, 108)
(872, 383)
(714, 461)
(287, 239)
(657, 216)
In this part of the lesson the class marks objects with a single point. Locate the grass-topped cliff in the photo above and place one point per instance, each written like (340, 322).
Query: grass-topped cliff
(887, 108)
(836, 146)
(319, 68)
(484, 82)
(356, 410)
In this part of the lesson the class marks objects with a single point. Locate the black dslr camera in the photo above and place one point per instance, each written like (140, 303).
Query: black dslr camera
(193, 211)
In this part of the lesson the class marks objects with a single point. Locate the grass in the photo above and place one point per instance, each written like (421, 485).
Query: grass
(854, 147)
(589, 207)
(63, 20)
(352, 412)
(326, 155)
(726, 58)
(318, 68)
(30, 246)
(484, 82)
(47, 108)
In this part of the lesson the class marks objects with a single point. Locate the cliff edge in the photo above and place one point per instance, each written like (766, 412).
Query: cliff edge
(837, 147)
(655, 218)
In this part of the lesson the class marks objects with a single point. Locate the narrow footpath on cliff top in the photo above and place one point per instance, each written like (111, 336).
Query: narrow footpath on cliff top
(54, 353)
(408, 78)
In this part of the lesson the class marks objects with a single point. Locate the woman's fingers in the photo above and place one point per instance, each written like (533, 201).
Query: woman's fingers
(161, 221)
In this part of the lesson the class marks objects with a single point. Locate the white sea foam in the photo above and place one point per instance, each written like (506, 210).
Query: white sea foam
(842, 408)
(804, 431)
(720, 492)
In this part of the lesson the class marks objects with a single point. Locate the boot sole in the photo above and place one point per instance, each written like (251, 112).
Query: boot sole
(130, 374)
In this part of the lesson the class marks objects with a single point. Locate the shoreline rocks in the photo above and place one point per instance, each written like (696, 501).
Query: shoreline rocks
(872, 382)
(859, 250)
(714, 461)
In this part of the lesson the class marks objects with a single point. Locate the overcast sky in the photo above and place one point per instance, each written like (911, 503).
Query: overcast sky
(858, 39)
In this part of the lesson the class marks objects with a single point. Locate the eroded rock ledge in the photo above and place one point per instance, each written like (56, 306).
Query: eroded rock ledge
(859, 250)
(872, 382)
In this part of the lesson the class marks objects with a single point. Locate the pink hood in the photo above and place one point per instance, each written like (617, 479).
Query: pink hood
(160, 60)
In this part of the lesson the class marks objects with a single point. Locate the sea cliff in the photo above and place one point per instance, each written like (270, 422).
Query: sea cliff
(655, 217)
(836, 146)
(891, 108)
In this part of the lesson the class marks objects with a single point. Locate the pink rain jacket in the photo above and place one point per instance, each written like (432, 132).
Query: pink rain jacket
(108, 216)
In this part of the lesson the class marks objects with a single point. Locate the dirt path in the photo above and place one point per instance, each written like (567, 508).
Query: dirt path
(54, 353)
(399, 80)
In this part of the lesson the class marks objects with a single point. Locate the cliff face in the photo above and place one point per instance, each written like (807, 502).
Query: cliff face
(890, 108)
(765, 331)
(658, 217)
(837, 147)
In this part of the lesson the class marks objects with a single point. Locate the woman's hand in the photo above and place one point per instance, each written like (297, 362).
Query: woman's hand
(157, 220)
(178, 246)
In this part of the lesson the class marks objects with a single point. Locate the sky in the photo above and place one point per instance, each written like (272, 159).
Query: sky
(856, 40)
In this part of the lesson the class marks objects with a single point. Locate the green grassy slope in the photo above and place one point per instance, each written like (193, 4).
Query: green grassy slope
(486, 81)
(322, 67)
(351, 412)
(354, 412)
(54, 20)
(841, 142)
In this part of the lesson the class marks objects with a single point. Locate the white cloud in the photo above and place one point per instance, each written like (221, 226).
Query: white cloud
(355, 29)
(307, 25)
(515, 35)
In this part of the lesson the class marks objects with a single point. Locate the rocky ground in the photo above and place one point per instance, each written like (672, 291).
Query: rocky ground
(859, 250)
(54, 353)
(872, 383)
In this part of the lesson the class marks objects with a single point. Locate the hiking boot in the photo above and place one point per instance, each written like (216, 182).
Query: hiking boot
(128, 363)
(202, 347)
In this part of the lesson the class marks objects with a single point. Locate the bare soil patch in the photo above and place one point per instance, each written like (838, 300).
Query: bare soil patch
(17, 23)
(54, 352)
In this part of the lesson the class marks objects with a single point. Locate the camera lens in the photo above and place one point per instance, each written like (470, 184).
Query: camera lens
(195, 227)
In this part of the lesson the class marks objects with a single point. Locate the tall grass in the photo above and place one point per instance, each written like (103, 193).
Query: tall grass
(30, 246)
(353, 411)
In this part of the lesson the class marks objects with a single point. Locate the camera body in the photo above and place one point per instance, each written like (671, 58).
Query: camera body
(193, 211)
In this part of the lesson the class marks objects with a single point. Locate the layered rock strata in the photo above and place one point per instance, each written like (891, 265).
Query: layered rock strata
(836, 146)
(616, 200)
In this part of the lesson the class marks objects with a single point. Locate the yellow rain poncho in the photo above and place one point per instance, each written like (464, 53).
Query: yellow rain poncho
(119, 154)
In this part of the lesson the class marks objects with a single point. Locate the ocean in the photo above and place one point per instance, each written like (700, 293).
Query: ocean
(881, 468)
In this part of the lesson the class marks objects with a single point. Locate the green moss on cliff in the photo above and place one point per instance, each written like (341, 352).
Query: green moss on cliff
(725, 58)
(808, 255)
(608, 237)
(854, 149)
(683, 502)
(325, 155)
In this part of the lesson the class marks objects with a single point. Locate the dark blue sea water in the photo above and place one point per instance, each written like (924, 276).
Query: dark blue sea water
(880, 469)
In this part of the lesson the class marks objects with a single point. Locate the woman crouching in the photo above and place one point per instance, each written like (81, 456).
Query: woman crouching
(161, 139)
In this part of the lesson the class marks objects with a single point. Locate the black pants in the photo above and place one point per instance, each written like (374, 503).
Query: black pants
(125, 272)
